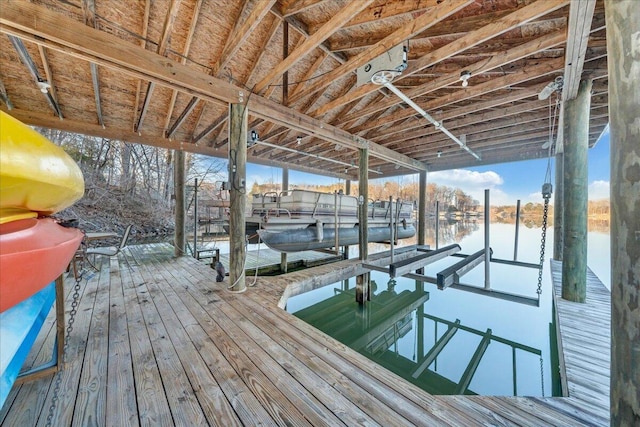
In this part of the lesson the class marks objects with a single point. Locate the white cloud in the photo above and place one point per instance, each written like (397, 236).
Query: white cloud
(464, 177)
(473, 183)
(599, 190)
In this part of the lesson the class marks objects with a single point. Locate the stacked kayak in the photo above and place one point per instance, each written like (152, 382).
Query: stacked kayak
(37, 178)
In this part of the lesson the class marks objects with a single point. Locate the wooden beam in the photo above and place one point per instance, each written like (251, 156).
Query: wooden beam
(105, 49)
(514, 54)
(439, 13)
(380, 11)
(458, 26)
(143, 43)
(509, 22)
(300, 6)
(541, 68)
(183, 60)
(580, 18)
(242, 31)
(170, 19)
(89, 12)
(346, 13)
(222, 119)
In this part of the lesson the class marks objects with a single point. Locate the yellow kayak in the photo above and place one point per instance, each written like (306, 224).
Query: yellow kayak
(36, 176)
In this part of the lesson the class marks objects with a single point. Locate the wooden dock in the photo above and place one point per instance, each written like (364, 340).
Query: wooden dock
(585, 342)
(157, 342)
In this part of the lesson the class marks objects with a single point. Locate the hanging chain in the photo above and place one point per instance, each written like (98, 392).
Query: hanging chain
(546, 193)
(58, 374)
(542, 375)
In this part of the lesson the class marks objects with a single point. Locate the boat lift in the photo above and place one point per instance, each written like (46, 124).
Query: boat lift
(450, 276)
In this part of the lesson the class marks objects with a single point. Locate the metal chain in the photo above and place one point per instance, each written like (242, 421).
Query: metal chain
(58, 374)
(542, 375)
(547, 196)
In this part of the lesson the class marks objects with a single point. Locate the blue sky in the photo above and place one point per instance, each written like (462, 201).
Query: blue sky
(508, 182)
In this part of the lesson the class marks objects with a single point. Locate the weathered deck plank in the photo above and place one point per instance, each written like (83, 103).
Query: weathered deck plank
(585, 335)
(158, 342)
(121, 408)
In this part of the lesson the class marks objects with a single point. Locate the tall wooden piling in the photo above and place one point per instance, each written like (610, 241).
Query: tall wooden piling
(237, 194)
(285, 187)
(422, 212)
(515, 241)
(623, 27)
(362, 281)
(179, 241)
(558, 212)
(422, 208)
(487, 240)
(347, 191)
(576, 145)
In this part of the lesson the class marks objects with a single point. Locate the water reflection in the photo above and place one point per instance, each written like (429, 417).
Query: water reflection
(401, 329)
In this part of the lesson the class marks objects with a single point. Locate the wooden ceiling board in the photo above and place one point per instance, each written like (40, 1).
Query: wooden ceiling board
(513, 48)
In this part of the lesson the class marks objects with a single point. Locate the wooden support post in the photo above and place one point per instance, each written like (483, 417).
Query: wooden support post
(623, 27)
(285, 187)
(392, 225)
(347, 191)
(487, 240)
(437, 224)
(515, 241)
(576, 144)
(178, 185)
(363, 293)
(422, 212)
(237, 178)
(195, 218)
(558, 212)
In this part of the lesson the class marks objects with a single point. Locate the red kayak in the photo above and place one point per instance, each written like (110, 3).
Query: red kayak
(33, 252)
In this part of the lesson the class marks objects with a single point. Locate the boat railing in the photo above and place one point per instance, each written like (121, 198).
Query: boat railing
(384, 209)
(277, 211)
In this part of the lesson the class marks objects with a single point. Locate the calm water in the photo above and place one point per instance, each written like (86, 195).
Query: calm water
(406, 320)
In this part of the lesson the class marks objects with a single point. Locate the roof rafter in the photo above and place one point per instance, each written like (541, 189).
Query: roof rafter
(143, 42)
(380, 11)
(174, 95)
(441, 12)
(89, 13)
(167, 28)
(241, 32)
(508, 22)
(300, 6)
(516, 53)
(527, 73)
(312, 42)
(238, 35)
